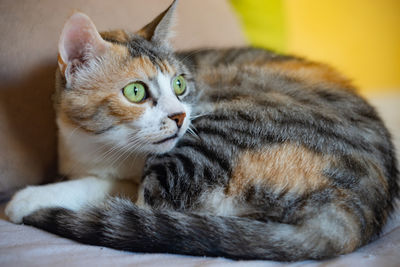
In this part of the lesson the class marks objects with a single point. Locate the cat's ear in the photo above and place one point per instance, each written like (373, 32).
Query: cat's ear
(159, 30)
(79, 42)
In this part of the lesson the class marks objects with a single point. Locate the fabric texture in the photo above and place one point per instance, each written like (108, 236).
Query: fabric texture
(22, 245)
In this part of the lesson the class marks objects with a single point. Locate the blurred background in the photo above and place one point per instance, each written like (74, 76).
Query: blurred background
(361, 38)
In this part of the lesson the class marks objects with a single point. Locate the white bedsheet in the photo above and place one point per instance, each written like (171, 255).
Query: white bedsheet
(22, 245)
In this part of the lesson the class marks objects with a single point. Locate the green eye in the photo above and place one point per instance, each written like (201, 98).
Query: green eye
(135, 92)
(179, 85)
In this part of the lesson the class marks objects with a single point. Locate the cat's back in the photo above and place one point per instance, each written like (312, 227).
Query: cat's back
(212, 63)
(295, 125)
(265, 87)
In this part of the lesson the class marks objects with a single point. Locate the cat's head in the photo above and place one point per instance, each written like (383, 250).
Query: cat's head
(126, 88)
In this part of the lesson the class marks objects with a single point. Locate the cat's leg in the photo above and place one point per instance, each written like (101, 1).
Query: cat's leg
(161, 188)
(72, 194)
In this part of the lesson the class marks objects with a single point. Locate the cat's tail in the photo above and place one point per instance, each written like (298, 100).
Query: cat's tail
(120, 224)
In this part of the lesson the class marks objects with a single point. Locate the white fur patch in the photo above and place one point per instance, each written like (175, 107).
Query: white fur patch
(70, 194)
(82, 154)
(218, 203)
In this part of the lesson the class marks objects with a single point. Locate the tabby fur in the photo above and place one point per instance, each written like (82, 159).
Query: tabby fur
(287, 162)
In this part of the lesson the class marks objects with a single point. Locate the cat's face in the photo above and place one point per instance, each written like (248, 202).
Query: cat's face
(128, 91)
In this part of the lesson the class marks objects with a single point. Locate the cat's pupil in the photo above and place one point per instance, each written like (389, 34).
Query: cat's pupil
(178, 82)
(135, 90)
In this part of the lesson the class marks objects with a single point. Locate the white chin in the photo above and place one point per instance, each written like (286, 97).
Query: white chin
(164, 147)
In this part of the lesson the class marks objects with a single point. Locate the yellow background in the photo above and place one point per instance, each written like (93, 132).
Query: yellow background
(361, 38)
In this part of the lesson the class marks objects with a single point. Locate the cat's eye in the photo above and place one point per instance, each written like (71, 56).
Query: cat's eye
(135, 92)
(179, 85)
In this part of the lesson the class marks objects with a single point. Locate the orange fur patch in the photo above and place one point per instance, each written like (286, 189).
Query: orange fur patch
(93, 104)
(61, 64)
(119, 36)
(165, 67)
(124, 113)
(309, 72)
(143, 64)
(224, 75)
(284, 167)
(65, 119)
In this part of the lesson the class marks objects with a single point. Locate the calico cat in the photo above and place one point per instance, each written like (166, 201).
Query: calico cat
(285, 161)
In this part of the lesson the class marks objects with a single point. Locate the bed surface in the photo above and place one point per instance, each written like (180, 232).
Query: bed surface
(22, 245)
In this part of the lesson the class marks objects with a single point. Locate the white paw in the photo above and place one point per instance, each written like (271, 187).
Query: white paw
(24, 202)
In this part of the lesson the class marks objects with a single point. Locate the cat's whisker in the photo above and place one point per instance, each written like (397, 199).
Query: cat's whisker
(74, 131)
(134, 144)
(193, 132)
(115, 155)
(111, 151)
(138, 147)
(192, 53)
(193, 128)
(108, 155)
(121, 158)
(127, 152)
(103, 156)
(98, 157)
(198, 116)
(134, 148)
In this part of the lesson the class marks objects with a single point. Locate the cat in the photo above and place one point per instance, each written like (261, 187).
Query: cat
(243, 153)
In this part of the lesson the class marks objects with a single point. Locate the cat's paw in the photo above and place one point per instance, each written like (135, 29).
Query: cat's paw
(24, 202)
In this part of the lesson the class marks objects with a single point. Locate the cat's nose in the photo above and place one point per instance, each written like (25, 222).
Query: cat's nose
(178, 118)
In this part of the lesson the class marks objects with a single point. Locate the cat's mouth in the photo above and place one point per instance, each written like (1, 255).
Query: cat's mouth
(166, 139)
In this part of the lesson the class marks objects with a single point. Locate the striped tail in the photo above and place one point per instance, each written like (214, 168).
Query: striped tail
(122, 225)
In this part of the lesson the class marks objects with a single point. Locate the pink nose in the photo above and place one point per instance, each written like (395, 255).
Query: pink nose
(178, 118)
